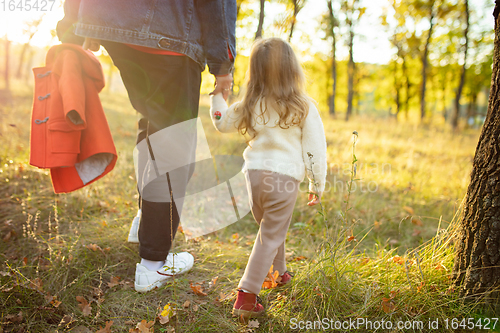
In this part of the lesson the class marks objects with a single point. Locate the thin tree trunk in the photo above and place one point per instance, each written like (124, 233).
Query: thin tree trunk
(408, 86)
(425, 62)
(334, 58)
(456, 113)
(294, 18)
(477, 260)
(7, 64)
(21, 60)
(258, 34)
(350, 72)
(397, 87)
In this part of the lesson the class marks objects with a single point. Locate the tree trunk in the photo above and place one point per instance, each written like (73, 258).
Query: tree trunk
(350, 72)
(294, 18)
(477, 261)
(397, 87)
(7, 64)
(425, 61)
(408, 87)
(456, 111)
(258, 34)
(334, 58)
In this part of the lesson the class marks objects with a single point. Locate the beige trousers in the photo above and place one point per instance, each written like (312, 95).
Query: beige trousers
(273, 197)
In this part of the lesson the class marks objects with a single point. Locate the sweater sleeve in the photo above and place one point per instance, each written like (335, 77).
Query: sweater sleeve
(224, 118)
(314, 150)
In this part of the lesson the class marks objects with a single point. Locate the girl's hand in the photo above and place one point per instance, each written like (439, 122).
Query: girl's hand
(314, 199)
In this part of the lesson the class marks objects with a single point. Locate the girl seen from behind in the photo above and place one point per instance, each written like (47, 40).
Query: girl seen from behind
(286, 142)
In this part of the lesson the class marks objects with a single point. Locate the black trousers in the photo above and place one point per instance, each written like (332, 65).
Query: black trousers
(165, 90)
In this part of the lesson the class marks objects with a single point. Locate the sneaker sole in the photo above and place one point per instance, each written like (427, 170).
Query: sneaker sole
(146, 288)
(245, 314)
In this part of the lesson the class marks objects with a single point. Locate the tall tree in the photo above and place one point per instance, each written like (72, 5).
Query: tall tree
(431, 4)
(456, 111)
(297, 5)
(353, 13)
(7, 64)
(30, 30)
(331, 24)
(477, 260)
(258, 33)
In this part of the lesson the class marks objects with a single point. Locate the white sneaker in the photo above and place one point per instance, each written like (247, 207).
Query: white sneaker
(133, 235)
(176, 263)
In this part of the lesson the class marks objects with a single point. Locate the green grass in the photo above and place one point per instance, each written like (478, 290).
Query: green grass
(405, 172)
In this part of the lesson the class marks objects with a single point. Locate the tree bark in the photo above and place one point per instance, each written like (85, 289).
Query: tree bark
(334, 58)
(456, 111)
(477, 261)
(425, 62)
(351, 67)
(294, 18)
(258, 34)
(7, 64)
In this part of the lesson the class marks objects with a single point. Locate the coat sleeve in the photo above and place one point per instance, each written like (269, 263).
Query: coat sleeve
(314, 150)
(71, 88)
(224, 118)
(218, 25)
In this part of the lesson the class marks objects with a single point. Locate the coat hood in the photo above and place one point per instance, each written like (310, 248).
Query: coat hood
(89, 62)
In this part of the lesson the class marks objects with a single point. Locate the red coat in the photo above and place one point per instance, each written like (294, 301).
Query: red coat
(69, 131)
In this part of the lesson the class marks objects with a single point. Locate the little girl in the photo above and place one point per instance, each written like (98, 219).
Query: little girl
(287, 140)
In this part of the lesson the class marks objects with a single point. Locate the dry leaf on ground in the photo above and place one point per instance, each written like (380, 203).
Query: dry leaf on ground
(270, 280)
(115, 280)
(84, 305)
(253, 324)
(197, 289)
(107, 328)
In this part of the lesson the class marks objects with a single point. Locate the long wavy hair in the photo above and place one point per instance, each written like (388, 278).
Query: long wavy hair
(277, 82)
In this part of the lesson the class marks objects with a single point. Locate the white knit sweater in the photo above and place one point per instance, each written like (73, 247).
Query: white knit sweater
(284, 151)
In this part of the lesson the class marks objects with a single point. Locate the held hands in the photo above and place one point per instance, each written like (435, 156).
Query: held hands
(223, 85)
(91, 44)
(314, 199)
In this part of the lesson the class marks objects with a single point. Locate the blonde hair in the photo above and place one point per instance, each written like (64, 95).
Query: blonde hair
(276, 80)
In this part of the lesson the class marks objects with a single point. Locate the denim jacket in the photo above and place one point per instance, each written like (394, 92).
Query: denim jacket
(203, 30)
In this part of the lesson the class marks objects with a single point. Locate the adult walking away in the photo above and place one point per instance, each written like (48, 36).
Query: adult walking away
(160, 48)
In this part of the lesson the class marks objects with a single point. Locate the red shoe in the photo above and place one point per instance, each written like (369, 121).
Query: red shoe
(247, 305)
(285, 278)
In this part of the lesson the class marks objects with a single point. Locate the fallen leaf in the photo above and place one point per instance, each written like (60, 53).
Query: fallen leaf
(84, 305)
(186, 304)
(299, 258)
(420, 286)
(397, 260)
(195, 307)
(377, 224)
(409, 210)
(416, 232)
(129, 322)
(167, 313)
(351, 238)
(416, 221)
(145, 327)
(15, 318)
(213, 282)
(115, 280)
(107, 328)
(387, 305)
(36, 284)
(197, 289)
(25, 261)
(67, 320)
(9, 235)
(253, 324)
(235, 237)
(270, 279)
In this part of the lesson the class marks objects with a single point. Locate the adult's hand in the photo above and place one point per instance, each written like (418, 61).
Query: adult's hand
(91, 44)
(223, 85)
